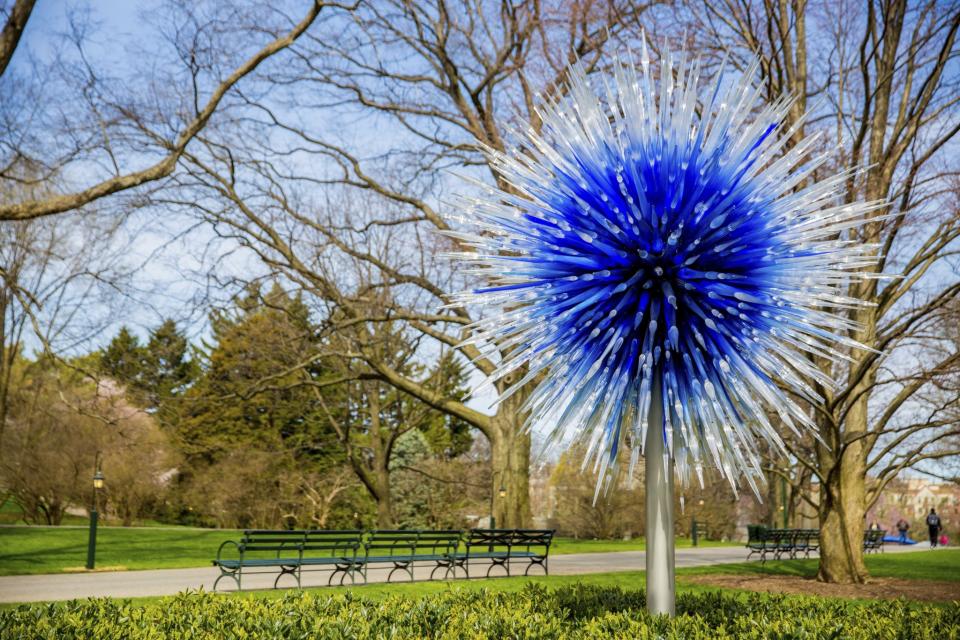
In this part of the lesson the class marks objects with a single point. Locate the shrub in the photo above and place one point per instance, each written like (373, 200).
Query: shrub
(581, 612)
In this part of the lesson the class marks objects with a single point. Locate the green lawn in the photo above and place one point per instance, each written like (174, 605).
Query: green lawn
(928, 565)
(941, 565)
(25, 550)
(626, 579)
(563, 546)
(922, 565)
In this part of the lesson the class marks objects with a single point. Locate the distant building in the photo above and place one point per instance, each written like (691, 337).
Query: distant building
(912, 499)
(907, 498)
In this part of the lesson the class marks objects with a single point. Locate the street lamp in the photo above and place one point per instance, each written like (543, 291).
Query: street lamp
(94, 516)
(693, 527)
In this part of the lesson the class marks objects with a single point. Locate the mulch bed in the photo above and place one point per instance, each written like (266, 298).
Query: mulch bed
(876, 588)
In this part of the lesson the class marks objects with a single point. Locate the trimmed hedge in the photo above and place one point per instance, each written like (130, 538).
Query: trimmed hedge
(535, 612)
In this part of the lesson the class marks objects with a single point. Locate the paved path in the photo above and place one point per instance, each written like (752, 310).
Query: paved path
(160, 582)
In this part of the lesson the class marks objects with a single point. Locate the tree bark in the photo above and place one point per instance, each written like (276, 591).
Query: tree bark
(843, 500)
(384, 501)
(381, 458)
(841, 524)
(510, 461)
(10, 36)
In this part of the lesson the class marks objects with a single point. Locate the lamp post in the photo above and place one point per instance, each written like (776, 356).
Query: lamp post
(94, 516)
(693, 528)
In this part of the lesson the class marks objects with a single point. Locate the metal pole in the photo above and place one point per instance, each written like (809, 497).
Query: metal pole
(659, 502)
(92, 542)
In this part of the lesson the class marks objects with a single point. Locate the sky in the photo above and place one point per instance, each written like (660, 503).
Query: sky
(167, 275)
(166, 265)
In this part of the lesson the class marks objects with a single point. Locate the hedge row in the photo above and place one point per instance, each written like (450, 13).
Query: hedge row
(533, 613)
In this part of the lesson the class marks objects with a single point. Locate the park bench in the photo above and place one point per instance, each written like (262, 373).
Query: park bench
(351, 553)
(500, 547)
(808, 542)
(765, 541)
(873, 540)
(404, 549)
(288, 552)
(759, 541)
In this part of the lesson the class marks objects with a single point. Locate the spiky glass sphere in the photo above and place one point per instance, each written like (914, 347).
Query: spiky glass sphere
(653, 232)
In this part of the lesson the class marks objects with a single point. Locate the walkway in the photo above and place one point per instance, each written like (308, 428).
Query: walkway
(161, 582)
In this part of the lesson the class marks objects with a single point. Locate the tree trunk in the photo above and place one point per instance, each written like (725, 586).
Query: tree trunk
(841, 526)
(384, 497)
(843, 503)
(379, 443)
(510, 459)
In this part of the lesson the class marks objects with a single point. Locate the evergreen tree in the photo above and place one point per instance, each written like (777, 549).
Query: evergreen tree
(123, 358)
(253, 391)
(446, 435)
(156, 375)
(167, 370)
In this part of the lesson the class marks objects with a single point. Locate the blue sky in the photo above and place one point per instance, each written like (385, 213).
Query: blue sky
(171, 279)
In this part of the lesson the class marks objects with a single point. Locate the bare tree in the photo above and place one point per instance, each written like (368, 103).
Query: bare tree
(121, 130)
(373, 416)
(319, 494)
(14, 20)
(379, 104)
(881, 80)
(61, 424)
(57, 286)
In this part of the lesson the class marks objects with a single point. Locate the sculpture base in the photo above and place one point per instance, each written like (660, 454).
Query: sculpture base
(661, 581)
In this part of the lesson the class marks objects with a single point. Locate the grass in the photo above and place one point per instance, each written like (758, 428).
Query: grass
(940, 565)
(923, 565)
(29, 550)
(562, 545)
(378, 591)
(32, 550)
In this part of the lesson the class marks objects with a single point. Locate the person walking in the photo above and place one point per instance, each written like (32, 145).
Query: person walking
(902, 527)
(933, 525)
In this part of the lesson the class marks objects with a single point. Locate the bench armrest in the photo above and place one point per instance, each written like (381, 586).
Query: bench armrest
(225, 543)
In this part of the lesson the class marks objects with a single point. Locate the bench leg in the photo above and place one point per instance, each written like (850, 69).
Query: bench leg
(451, 568)
(534, 562)
(233, 575)
(341, 570)
(353, 577)
(401, 566)
(292, 570)
(502, 562)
